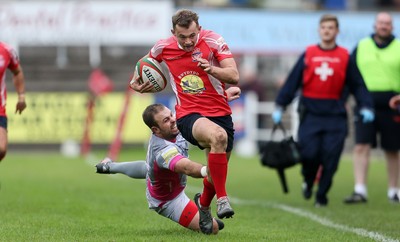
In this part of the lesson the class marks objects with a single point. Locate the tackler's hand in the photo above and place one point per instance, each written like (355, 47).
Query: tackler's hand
(233, 93)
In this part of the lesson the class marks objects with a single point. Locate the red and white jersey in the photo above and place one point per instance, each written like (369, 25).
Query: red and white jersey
(325, 72)
(196, 91)
(8, 59)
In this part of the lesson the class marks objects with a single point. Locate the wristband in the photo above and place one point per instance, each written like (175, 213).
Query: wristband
(203, 171)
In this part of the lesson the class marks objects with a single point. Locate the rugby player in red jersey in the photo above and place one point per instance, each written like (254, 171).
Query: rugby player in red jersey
(9, 60)
(199, 64)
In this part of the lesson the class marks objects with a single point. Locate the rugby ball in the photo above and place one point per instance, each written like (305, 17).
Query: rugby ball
(150, 70)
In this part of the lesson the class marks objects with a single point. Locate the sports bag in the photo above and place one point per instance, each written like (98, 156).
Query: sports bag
(280, 155)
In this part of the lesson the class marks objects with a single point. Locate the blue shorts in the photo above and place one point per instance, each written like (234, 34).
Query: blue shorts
(185, 125)
(386, 125)
(3, 122)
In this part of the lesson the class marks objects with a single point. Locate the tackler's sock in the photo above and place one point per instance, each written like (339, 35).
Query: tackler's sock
(208, 193)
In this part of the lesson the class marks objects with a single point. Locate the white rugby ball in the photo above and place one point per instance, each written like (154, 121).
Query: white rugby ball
(150, 70)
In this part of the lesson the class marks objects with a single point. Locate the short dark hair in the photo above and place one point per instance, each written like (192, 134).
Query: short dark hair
(184, 18)
(150, 112)
(329, 17)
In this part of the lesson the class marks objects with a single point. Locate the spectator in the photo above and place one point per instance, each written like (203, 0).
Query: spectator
(378, 58)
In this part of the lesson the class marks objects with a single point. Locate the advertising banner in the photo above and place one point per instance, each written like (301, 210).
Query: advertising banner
(56, 117)
(82, 22)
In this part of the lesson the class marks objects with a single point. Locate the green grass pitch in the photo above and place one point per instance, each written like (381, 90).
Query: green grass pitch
(47, 197)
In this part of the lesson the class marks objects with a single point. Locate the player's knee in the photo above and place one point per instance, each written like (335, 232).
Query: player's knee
(361, 149)
(219, 137)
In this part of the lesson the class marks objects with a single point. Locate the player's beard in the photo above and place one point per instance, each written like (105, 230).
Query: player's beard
(171, 133)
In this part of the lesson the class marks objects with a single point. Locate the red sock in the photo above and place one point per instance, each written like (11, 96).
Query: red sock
(218, 166)
(208, 193)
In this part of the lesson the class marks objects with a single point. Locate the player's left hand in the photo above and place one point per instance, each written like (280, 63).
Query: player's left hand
(204, 64)
(21, 105)
(233, 93)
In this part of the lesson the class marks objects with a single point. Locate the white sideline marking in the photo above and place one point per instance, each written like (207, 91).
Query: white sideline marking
(303, 213)
(323, 221)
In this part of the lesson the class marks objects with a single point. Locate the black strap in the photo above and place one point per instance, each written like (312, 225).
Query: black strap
(280, 127)
(282, 178)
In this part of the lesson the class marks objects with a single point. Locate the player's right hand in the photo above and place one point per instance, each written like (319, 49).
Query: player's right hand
(21, 105)
(137, 85)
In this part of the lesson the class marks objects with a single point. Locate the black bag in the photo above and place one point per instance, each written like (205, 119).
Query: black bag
(280, 155)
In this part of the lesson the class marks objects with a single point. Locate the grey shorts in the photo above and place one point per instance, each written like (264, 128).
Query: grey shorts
(171, 209)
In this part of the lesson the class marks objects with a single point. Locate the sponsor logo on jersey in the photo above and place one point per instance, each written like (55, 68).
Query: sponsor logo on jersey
(196, 54)
(169, 154)
(192, 84)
